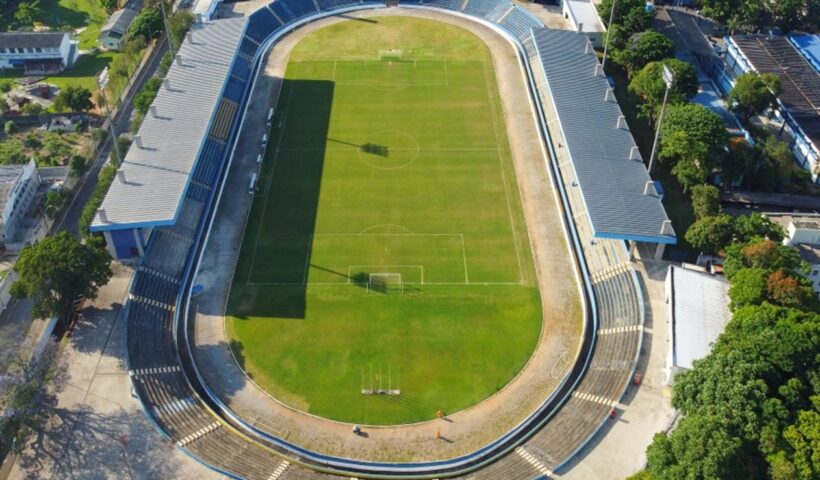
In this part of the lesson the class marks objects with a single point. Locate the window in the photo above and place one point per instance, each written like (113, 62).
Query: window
(814, 273)
(38, 50)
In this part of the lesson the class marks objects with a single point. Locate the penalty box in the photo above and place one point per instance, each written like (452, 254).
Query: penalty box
(419, 258)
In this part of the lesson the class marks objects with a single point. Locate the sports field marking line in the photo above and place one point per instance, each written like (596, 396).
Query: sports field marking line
(386, 225)
(420, 267)
(269, 180)
(503, 175)
(307, 258)
(330, 284)
(420, 149)
(532, 460)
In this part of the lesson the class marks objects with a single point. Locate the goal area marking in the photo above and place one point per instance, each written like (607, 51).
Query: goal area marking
(385, 282)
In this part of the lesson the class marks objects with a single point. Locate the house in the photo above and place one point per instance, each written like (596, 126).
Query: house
(803, 233)
(18, 186)
(114, 30)
(206, 10)
(697, 313)
(37, 52)
(583, 17)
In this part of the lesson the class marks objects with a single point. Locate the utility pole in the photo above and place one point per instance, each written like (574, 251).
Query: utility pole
(102, 81)
(669, 80)
(167, 28)
(608, 33)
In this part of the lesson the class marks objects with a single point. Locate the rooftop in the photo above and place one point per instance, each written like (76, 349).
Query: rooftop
(809, 46)
(156, 175)
(800, 81)
(611, 175)
(585, 15)
(119, 21)
(809, 253)
(31, 39)
(700, 311)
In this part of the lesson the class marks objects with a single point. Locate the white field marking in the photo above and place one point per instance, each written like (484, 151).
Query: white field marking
(464, 259)
(391, 85)
(532, 460)
(272, 174)
(621, 329)
(385, 225)
(198, 434)
(420, 149)
(336, 284)
(279, 470)
(503, 175)
(594, 398)
(387, 271)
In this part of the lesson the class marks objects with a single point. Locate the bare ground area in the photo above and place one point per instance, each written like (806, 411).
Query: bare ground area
(464, 431)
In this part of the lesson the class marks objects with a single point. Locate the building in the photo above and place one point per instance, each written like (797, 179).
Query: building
(583, 16)
(37, 52)
(697, 313)
(114, 30)
(799, 101)
(206, 10)
(18, 186)
(803, 233)
(168, 171)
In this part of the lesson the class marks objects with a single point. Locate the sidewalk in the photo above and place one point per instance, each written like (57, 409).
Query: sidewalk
(98, 430)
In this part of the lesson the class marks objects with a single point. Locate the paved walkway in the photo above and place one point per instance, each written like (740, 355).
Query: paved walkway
(619, 450)
(466, 430)
(98, 430)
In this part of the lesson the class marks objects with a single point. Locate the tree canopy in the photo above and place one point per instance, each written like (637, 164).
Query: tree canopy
(711, 234)
(705, 200)
(59, 269)
(643, 48)
(753, 93)
(146, 95)
(693, 141)
(77, 99)
(648, 84)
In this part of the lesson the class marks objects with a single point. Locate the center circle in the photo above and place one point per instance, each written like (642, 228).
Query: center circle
(389, 149)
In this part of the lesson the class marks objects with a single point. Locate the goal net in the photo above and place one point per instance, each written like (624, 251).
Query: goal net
(393, 54)
(385, 283)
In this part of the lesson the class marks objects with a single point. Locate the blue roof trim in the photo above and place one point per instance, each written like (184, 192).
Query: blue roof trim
(665, 239)
(130, 226)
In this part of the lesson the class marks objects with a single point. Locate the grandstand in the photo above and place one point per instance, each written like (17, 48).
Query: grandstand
(159, 207)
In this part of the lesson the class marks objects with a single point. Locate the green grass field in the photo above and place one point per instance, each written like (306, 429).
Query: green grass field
(380, 169)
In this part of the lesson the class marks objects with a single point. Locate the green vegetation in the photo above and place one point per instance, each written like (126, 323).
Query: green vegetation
(758, 15)
(106, 176)
(73, 98)
(398, 166)
(146, 95)
(649, 85)
(753, 93)
(59, 269)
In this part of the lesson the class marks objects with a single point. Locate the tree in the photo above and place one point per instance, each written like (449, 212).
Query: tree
(749, 287)
(58, 270)
(27, 389)
(804, 439)
(622, 9)
(788, 14)
(753, 93)
(788, 291)
(28, 12)
(642, 48)
(179, 23)
(5, 86)
(749, 227)
(78, 165)
(10, 127)
(110, 5)
(146, 95)
(761, 253)
(705, 200)
(648, 84)
(55, 201)
(32, 108)
(73, 98)
(699, 125)
(711, 234)
(148, 23)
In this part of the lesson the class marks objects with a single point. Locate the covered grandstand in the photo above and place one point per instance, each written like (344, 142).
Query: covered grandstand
(160, 206)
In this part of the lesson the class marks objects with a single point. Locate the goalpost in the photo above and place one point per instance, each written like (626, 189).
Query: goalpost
(385, 283)
(391, 54)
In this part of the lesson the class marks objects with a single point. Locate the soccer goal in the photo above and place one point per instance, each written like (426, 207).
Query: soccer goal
(385, 283)
(393, 54)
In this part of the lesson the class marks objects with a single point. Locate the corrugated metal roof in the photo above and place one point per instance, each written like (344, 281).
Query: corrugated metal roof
(612, 184)
(31, 39)
(119, 21)
(701, 311)
(585, 14)
(156, 175)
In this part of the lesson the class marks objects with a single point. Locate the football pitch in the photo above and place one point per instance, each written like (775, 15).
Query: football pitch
(386, 248)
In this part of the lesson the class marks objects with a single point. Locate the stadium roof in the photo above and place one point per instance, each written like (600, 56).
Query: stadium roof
(156, 175)
(611, 177)
(699, 303)
(809, 46)
(585, 15)
(799, 80)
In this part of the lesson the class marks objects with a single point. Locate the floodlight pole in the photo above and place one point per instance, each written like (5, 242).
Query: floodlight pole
(608, 32)
(669, 80)
(102, 81)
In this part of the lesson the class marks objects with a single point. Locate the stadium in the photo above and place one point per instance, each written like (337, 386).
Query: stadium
(412, 219)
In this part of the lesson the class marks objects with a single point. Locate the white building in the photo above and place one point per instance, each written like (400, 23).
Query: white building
(114, 30)
(583, 16)
(206, 10)
(697, 313)
(37, 52)
(18, 186)
(803, 233)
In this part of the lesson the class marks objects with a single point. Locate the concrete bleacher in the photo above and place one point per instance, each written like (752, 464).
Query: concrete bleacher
(166, 393)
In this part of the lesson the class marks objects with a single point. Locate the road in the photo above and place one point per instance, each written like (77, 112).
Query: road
(122, 117)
